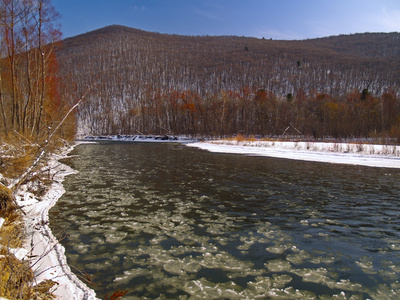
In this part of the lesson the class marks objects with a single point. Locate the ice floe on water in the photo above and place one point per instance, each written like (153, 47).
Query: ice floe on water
(177, 266)
(184, 243)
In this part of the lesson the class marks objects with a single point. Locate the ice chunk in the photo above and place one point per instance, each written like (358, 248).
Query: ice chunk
(277, 249)
(204, 289)
(298, 258)
(224, 261)
(366, 264)
(115, 237)
(192, 266)
(130, 274)
(322, 260)
(278, 265)
(100, 266)
(289, 293)
(385, 292)
(173, 267)
(304, 222)
(81, 248)
(395, 268)
(313, 275)
(347, 285)
(387, 275)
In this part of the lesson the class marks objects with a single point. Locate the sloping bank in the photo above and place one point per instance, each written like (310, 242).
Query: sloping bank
(48, 259)
(386, 156)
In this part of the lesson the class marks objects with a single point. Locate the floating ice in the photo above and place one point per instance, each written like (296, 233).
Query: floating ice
(191, 265)
(100, 266)
(318, 275)
(366, 264)
(388, 275)
(204, 289)
(277, 249)
(289, 293)
(304, 222)
(81, 248)
(248, 242)
(298, 258)
(131, 274)
(395, 268)
(184, 242)
(347, 285)
(386, 292)
(278, 265)
(322, 260)
(264, 284)
(224, 261)
(115, 237)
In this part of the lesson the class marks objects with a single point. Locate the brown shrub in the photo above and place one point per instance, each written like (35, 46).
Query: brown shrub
(6, 201)
(15, 275)
(240, 137)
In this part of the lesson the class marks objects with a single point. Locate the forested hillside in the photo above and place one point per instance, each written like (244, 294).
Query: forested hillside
(343, 86)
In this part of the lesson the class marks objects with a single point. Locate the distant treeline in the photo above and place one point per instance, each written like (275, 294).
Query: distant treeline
(156, 83)
(252, 111)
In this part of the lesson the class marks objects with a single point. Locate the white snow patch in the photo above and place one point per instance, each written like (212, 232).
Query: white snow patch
(143, 138)
(386, 156)
(48, 259)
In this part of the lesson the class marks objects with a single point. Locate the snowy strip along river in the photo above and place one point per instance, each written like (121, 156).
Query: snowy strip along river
(173, 222)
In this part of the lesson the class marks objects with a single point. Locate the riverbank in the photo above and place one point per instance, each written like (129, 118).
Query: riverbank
(47, 255)
(371, 155)
(142, 138)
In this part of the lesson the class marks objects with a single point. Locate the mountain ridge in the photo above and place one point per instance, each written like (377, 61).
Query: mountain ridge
(334, 42)
(138, 74)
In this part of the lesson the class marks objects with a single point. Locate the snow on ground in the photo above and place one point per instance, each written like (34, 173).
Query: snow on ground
(142, 138)
(387, 156)
(48, 259)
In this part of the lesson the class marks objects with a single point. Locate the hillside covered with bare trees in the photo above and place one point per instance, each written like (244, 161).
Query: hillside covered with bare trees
(151, 83)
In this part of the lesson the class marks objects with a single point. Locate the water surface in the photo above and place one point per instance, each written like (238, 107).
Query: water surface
(170, 222)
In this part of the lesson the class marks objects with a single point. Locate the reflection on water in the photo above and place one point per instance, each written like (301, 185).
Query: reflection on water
(166, 221)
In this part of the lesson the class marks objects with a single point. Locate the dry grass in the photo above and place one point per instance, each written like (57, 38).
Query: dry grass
(16, 155)
(6, 201)
(16, 276)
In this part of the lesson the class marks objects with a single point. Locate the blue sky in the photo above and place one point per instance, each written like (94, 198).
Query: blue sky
(277, 19)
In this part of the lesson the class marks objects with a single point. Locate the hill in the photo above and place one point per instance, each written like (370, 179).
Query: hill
(131, 66)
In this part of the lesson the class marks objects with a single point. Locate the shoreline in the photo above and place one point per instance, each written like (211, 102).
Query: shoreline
(370, 155)
(48, 260)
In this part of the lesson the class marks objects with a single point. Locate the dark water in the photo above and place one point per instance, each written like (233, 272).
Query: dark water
(170, 222)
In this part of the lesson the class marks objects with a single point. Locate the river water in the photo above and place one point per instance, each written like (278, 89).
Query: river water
(170, 222)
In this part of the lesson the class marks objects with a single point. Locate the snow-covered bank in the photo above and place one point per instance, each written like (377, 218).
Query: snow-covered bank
(142, 138)
(387, 156)
(47, 255)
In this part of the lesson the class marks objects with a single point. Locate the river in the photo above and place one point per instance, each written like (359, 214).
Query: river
(170, 222)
